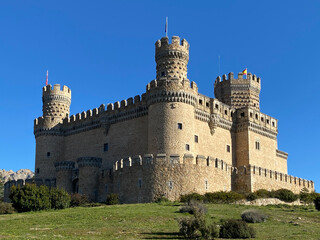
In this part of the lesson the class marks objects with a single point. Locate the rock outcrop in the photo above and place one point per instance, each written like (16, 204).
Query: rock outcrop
(20, 174)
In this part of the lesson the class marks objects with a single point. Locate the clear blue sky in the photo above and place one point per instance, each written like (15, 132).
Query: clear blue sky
(104, 51)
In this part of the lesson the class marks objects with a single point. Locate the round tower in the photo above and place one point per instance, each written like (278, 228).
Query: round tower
(171, 100)
(64, 175)
(47, 131)
(55, 104)
(172, 59)
(89, 170)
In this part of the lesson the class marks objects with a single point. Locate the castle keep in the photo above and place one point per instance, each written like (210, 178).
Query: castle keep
(169, 141)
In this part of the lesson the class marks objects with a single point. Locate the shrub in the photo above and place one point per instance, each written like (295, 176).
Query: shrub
(191, 196)
(30, 198)
(285, 195)
(317, 203)
(188, 227)
(112, 199)
(253, 216)
(162, 200)
(59, 198)
(209, 231)
(194, 207)
(78, 199)
(233, 228)
(223, 197)
(6, 208)
(263, 193)
(252, 196)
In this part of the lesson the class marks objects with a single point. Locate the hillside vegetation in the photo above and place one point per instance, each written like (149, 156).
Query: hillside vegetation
(151, 221)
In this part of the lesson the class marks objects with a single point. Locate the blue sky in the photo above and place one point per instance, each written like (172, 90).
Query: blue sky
(104, 51)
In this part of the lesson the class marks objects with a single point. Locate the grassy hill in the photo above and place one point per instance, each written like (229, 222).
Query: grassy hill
(150, 221)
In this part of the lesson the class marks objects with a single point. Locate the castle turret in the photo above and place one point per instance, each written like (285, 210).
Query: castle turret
(64, 175)
(171, 100)
(172, 59)
(47, 130)
(238, 92)
(56, 104)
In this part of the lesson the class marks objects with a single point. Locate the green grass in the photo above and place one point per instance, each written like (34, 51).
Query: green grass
(150, 221)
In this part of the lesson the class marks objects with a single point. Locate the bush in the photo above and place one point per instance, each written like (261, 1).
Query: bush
(194, 207)
(162, 200)
(188, 227)
(191, 196)
(253, 216)
(6, 208)
(262, 193)
(223, 197)
(112, 199)
(78, 199)
(317, 203)
(30, 198)
(233, 228)
(252, 196)
(59, 198)
(285, 195)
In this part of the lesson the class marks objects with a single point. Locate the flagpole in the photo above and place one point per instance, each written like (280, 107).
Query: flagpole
(166, 27)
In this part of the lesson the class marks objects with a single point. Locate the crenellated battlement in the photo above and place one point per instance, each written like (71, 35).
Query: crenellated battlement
(172, 59)
(270, 178)
(56, 93)
(238, 92)
(172, 160)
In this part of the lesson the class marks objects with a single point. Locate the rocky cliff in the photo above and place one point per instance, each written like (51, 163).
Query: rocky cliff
(20, 174)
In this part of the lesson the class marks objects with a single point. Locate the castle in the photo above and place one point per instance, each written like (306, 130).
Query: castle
(169, 141)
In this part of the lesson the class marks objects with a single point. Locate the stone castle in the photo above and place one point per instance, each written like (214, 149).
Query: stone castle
(169, 141)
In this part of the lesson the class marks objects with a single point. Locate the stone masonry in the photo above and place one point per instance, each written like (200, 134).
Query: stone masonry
(169, 141)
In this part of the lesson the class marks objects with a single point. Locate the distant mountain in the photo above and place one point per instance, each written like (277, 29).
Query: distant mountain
(20, 174)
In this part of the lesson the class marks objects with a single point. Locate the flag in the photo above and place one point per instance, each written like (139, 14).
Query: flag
(166, 27)
(245, 72)
(47, 79)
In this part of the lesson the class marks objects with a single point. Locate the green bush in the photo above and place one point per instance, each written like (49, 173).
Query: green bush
(78, 199)
(59, 198)
(253, 216)
(317, 203)
(112, 199)
(6, 208)
(252, 196)
(234, 228)
(162, 200)
(33, 198)
(30, 198)
(285, 195)
(191, 196)
(223, 197)
(263, 193)
(188, 227)
(194, 207)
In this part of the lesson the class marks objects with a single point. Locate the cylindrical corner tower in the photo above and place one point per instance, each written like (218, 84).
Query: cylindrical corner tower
(47, 130)
(171, 100)
(172, 59)
(89, 169)
(64, 175)
(56, 104)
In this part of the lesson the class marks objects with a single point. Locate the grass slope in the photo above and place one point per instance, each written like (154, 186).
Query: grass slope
(150, 221)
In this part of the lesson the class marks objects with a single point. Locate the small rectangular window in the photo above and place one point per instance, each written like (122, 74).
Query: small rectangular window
(207, 104)
(38, 170)
(106, 147)
(228, 148)
(267, 121)
(48, 154)
(187, 147)
(139, 183)
(272, 124)
(170, 185)
(217, 106)
(251, 114)
(226, 112)
(200, 101)
(196, 138)
(180, 126)
(206, 185)
(242, 114)
(257, 145)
